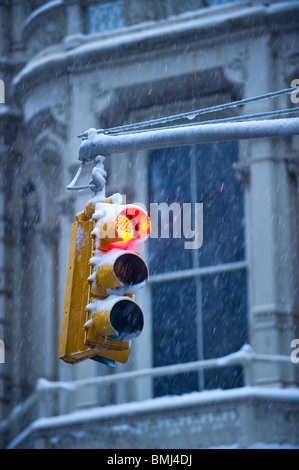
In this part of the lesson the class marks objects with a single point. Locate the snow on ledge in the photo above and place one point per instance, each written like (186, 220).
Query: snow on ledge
(166, 403)
(159, 404)
(203, 18)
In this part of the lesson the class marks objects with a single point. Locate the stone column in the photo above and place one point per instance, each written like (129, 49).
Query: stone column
(3, 29)
(3, 283)
(271, 232)
(10, 161)
(74, 24)
(17, 15)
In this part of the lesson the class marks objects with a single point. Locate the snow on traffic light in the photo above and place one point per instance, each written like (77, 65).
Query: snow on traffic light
(105, 271)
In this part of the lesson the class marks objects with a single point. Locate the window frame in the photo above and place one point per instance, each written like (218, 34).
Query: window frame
(197, 272)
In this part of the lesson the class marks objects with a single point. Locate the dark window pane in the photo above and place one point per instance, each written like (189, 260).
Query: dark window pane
(169, 183)
(222, 198)
(224, 324)
(224, 307)
(174, 334)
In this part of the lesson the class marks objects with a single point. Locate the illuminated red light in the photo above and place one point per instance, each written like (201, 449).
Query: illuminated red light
(144, 226)
(132, 225)
(124, 227)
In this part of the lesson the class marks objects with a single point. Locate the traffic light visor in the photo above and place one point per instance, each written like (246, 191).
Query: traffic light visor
(130, 269)
(116, 318)
(127, 319)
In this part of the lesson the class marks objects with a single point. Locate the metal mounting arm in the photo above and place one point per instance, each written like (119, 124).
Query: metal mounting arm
(100, 143)
(97, 145)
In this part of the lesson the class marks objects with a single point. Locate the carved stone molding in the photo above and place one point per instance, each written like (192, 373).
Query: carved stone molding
(31, 210)
(242, 171)
(290, 64)
(293, 166)
(275, 317)
(102, 100)
(236, 69)
(242, 167)
(48, 148)
(53, 119)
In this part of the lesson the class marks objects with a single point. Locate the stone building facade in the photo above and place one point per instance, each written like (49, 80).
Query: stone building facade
(72, 65)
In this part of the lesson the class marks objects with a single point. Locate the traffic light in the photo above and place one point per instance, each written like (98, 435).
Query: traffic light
(105, 271)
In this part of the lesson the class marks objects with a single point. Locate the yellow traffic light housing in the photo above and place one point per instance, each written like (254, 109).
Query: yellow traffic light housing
(100, 315)
(72, 347)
